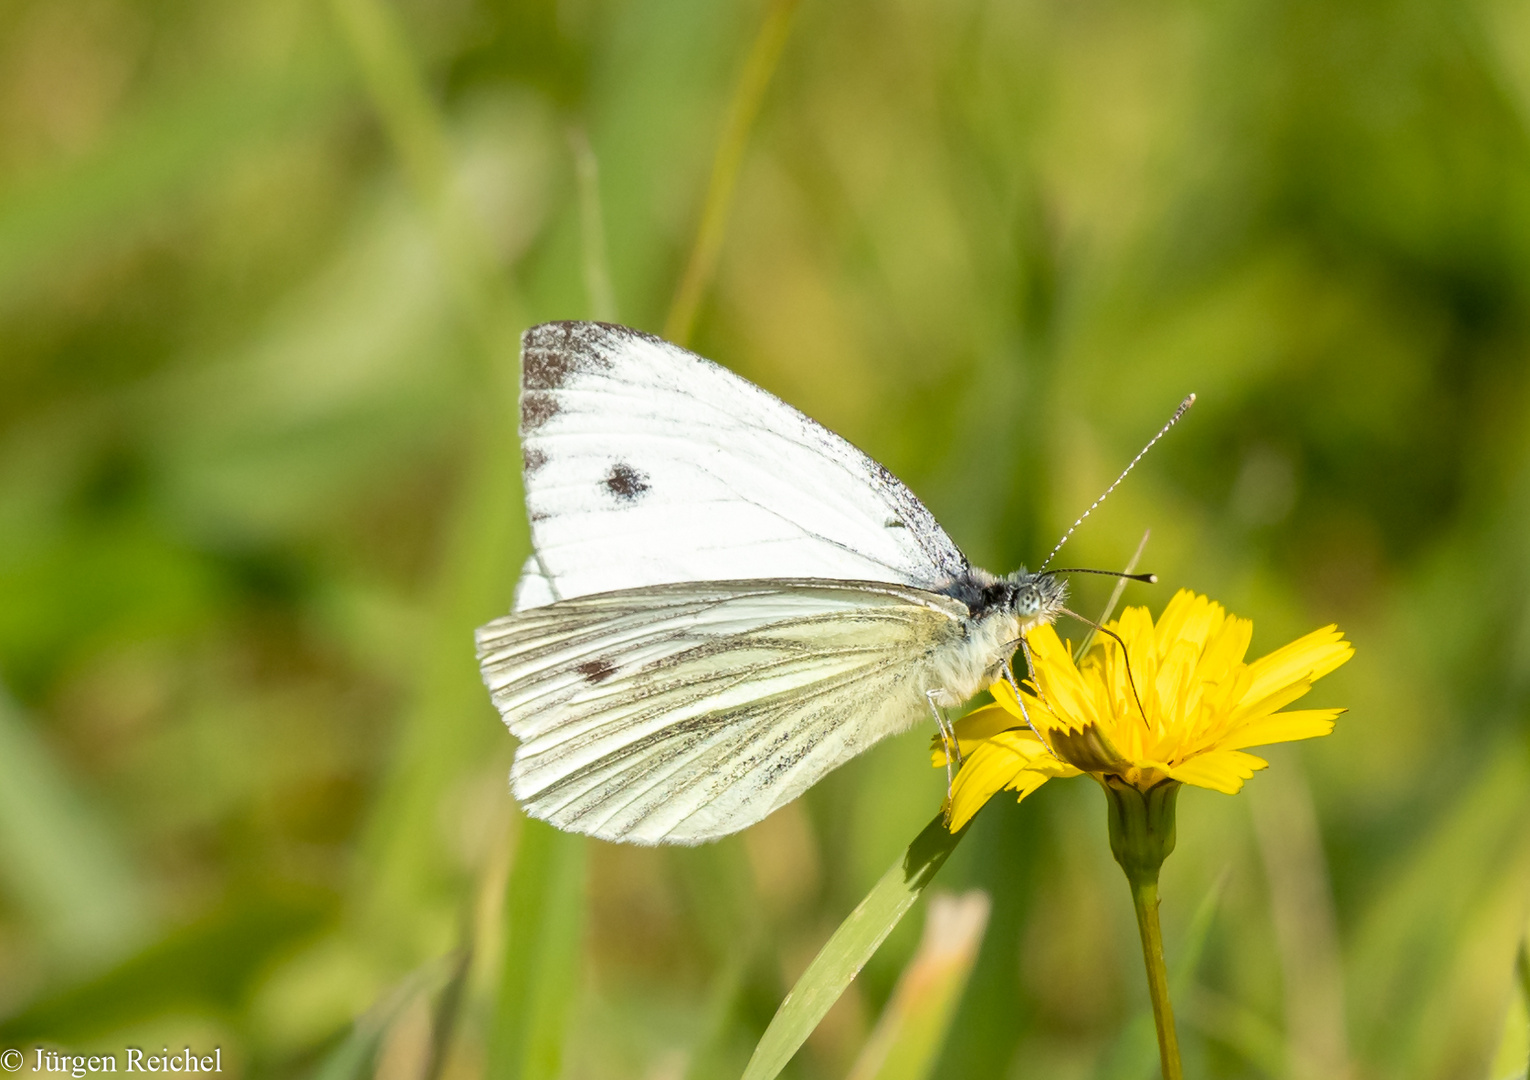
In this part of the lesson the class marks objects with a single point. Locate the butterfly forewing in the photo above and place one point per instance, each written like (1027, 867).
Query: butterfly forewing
(646, 464)
(683, 712)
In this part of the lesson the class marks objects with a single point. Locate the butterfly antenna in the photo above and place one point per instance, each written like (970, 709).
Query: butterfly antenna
(1183, 406)
(1125, 575)
(1115, 596)
(1125, 658)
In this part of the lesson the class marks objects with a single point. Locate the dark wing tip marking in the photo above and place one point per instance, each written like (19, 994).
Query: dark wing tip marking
(532, 459)
(596, 671)
(618, 330)
(552, 352)
(536, 410)
(625, 482)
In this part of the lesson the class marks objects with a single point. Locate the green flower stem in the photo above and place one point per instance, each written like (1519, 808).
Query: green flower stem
(1522, 968)
(1141, 837)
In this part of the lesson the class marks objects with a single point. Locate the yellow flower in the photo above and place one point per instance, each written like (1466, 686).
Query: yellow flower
(1201, 706)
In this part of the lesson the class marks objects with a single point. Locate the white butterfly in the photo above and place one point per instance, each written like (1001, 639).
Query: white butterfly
(725, 601)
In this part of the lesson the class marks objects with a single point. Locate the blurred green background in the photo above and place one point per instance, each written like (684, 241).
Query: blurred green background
(262, 267)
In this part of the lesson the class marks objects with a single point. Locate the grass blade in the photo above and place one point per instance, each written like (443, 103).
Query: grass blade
(1514, 1044)
(544, 911)
(908, 1037)
(1452, 899)
(59, 858)
(353, 1058)
(1290, 844)
(1522, 968)
(356, 1056)
(592, 229)
(396, 84)
(847, 951)
(742, 110)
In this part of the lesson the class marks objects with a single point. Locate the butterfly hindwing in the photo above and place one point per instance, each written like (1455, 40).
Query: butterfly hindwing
(646, 464)
(683, 712)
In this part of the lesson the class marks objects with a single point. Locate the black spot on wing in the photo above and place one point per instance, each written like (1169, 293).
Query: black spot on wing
(625, 482)
(596, 671)
(552, 352)
(537, 409)
(532, 459)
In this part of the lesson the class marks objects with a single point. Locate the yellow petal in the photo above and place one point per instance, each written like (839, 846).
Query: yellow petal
(985, 721)
(991, 723)
(972, 729)
(988, 770)
(1028, 780)
(1282, 727)
(1171, 623)
(1225, 651)
(1014, 760)
(1220, 770)
(1004, 698)
(1037, 756)
(1024, 782)
(1026, 711)
(1145, 659)
(1309, 657)
(1278, 699)
(1068, 694)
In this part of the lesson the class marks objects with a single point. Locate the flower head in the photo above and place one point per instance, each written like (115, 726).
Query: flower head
(1184, 710)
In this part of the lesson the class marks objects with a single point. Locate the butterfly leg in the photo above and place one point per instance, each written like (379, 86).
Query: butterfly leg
(948, 739)
(1009, 676)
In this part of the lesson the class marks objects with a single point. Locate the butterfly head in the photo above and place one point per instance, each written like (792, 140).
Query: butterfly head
(1030, 598)
(1035, 598)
